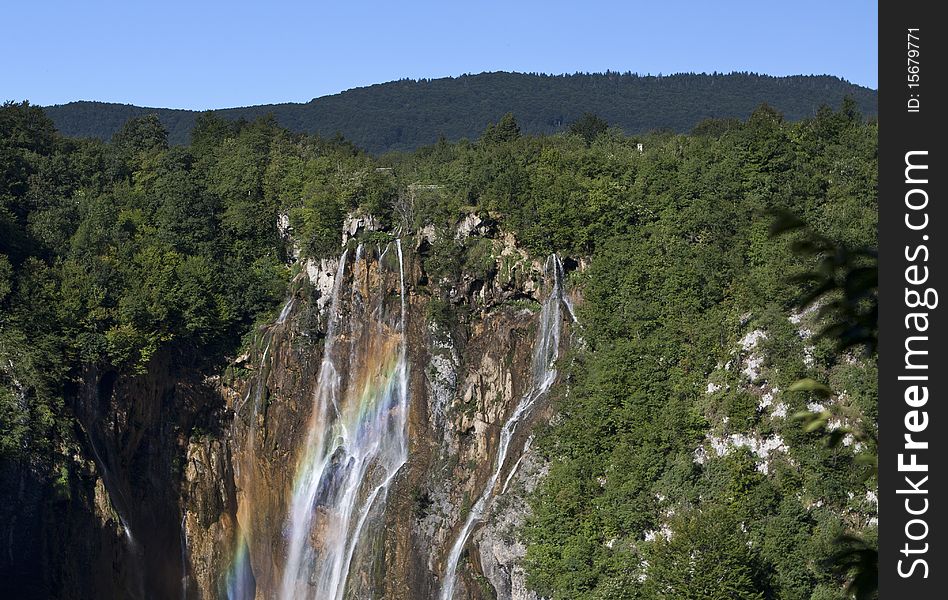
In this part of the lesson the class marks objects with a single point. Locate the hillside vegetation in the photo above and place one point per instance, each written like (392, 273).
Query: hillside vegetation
(406, 114)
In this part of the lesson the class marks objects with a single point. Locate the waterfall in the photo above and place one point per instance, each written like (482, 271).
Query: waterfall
(355, 440)
(183, 534)
(357, 433)
(286, 310)
(240, 581)
(113, 491)
(120, 505)
(542, 376)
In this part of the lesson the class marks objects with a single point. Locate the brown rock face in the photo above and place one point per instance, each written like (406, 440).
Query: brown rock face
(464, 375)
(363, 424)
(111, 526)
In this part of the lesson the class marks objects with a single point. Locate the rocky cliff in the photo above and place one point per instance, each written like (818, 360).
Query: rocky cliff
(468, 348)
(383, 418)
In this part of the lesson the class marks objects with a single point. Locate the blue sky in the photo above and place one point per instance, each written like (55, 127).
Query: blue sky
(217, 54)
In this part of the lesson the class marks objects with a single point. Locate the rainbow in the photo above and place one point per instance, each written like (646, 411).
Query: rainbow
(356, 440)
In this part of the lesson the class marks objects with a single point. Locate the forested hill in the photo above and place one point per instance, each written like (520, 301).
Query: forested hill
(406, 114)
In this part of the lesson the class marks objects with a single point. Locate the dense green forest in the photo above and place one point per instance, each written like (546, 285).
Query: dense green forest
(112, 251)
(406, 114)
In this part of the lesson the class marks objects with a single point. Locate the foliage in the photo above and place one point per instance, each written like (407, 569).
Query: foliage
(407, 114)
(845, 284)
(505, 130)
(706, 557)
(682, 256)
(114, 252)
(589, 127)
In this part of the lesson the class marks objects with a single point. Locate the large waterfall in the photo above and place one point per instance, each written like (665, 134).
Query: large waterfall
(543, 375)
(357, 434)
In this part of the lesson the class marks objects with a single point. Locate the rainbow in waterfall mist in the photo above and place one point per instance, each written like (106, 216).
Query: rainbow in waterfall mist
(355, 440)
(357, 433)
(240, 581)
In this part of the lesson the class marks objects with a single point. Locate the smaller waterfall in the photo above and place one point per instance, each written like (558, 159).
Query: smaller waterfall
(184, 556)
(286, 310)
(116, 497)
(119, 503)
(543, 375)
(513, 469)
(240, 582)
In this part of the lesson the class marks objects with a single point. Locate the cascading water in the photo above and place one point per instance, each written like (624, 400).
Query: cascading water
(357, 433)
(287, 308)
(543, 375)
(241, 582)
(354, 443)
(184, 558)
(118, 501)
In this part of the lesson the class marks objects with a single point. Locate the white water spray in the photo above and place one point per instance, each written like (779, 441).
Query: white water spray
(184, 556)
(286, 310)
(357, 439)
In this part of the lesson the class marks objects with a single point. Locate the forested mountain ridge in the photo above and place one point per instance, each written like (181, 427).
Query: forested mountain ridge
(406, 114)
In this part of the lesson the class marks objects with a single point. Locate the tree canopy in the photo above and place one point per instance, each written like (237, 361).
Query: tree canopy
(406, 114)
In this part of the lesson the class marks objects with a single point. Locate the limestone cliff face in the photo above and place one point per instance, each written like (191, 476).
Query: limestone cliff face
(111, 526)
(136, 430)
(469, 344)
(184, 484)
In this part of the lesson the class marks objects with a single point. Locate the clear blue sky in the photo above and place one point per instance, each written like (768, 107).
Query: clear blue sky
(217, 54)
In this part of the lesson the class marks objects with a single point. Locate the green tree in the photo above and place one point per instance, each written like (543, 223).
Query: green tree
(589, 127)
(505, 130)
(141, 134)
(706, 558)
